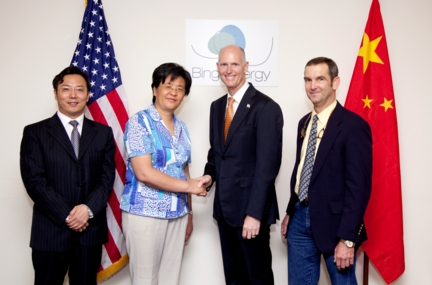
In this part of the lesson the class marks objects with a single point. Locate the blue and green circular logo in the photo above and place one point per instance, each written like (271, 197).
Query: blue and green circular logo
(229, 35)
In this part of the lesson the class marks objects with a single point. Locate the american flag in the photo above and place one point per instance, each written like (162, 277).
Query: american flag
(94, 55)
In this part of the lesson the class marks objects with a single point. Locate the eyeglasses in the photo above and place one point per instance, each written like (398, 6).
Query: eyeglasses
(67, 90)
(179, 89)
(320, 134)
(303, 130)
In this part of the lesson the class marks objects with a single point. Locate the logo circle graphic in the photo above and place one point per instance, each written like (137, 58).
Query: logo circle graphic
(229, 35)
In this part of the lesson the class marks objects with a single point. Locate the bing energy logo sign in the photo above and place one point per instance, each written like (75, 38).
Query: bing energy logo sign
(259, 39)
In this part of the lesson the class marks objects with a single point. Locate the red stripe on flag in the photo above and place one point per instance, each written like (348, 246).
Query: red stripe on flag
(118, 107)
(97, 113)
(111, 248)
(115, 207)
(120, 165)
(98, 116)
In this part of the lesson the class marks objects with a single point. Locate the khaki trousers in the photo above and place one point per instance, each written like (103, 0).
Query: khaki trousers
(155, 248)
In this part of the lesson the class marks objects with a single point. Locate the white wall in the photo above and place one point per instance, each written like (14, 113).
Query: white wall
(39, 37)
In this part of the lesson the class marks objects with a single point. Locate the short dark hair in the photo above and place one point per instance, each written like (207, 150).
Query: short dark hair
(70, 70)
(333, 69)
(173, 70)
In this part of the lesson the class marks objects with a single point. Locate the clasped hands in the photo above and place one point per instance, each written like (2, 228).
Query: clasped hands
(199, 185)
(78, 218)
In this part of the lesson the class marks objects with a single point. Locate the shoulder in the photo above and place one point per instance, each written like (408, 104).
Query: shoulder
(218, 103)
(142, 113)
(95, 124)
(261, 99)
(181, 122)
(220, 100)
(42, 124)
(39, 124)
(305, 117)
(352, 118)
(101, 128)
(139, 118)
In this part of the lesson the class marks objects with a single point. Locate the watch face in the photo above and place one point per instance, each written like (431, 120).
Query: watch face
(349, 243)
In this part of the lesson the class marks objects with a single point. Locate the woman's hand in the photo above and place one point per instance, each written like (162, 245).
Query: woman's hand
(195, 189)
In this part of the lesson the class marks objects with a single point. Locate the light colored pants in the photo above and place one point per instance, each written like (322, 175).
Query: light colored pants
(155, 248)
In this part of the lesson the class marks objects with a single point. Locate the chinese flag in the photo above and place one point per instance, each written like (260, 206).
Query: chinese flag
(371, 96)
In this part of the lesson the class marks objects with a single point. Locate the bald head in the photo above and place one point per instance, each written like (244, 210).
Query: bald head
(233, 49)
(232, 67)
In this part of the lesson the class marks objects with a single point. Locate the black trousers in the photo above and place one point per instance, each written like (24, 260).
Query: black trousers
(82, 262)
(246, 261)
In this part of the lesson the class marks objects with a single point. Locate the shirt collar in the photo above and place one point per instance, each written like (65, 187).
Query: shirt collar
(238, 96)
(325, 114)
(65, 119)
(154, 114)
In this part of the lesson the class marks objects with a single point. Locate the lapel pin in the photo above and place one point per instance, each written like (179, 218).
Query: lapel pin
(247, 106)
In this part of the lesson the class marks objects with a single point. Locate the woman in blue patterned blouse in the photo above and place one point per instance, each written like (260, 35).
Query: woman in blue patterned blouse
(156, 201)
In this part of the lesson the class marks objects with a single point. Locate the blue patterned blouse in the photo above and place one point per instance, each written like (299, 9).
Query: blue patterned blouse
(146, 134)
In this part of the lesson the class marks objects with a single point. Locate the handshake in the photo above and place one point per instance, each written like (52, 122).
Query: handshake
(198, 186)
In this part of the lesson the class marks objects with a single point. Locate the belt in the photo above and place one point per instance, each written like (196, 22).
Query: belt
(305, 202)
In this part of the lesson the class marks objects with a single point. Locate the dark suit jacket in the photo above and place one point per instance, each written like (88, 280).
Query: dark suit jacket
(341, 180)
(57, 181)
(245, 168)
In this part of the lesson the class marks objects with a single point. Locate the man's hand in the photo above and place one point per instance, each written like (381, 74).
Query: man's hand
(196, 188)
(78, 218)
(205, 181)
(284, 227)
(189, 227)
(251, 227)
(343, 256)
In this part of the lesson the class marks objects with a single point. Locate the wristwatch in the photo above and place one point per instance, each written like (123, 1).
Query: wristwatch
(90, 213)
(348, 243)
(190, 212)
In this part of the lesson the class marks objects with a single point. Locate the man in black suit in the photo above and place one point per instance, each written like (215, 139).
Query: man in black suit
(244, 163)
(68, 172)
(330, 183)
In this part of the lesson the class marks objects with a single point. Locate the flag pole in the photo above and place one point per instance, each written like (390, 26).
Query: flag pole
(366, 269)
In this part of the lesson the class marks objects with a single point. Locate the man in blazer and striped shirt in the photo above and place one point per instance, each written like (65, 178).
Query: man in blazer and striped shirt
(67, 166)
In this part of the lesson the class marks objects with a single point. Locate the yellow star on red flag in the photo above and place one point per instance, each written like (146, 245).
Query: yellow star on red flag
(367, 102)
(387, 104)
(367, 51)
